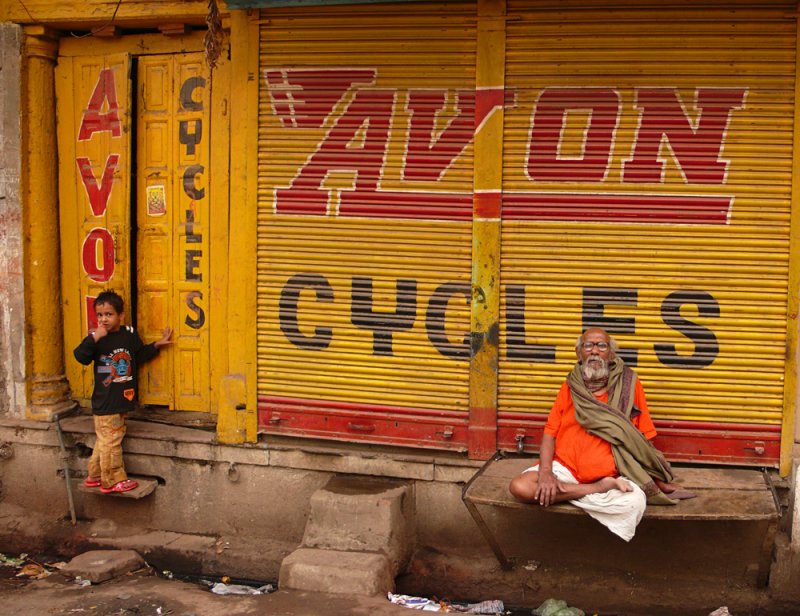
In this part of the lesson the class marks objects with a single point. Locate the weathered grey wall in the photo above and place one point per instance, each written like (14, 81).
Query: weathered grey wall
(240, 510)
(255, 497)
(12, 306)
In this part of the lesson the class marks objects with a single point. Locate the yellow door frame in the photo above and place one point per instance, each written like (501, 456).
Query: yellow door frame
(219, 136)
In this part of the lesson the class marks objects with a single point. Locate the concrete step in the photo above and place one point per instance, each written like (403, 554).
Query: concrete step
(146, 487)
(162, 549)
(333, 571)
(359, 535)
(363, 514)
(101, 565)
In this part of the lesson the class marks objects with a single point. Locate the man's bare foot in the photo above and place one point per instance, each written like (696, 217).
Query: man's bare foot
(665, 487)
(673, 491)
(614, 483)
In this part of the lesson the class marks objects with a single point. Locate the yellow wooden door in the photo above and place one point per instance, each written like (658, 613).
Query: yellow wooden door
(93, 95)
(172, 235)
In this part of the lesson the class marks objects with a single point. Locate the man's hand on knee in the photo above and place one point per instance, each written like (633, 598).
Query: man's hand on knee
(548, 488)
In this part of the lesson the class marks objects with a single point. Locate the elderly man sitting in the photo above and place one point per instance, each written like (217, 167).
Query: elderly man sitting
(596, 450)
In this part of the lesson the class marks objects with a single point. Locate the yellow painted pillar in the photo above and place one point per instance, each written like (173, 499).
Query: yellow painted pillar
(238, 416)
(486, 217)
(48, 387)
(789, 434)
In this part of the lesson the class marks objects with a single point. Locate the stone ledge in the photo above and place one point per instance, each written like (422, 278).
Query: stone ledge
(158, 439)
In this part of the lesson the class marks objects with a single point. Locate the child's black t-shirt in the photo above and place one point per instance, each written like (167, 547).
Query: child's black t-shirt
(116, 356)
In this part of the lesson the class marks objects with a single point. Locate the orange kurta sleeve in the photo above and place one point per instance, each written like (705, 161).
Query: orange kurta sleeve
(562, 403)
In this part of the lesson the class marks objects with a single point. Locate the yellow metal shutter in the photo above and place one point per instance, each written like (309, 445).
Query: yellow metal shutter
(364, 214)
(647, 182)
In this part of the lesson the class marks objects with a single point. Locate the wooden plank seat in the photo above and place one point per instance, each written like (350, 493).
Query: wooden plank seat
(722, 494)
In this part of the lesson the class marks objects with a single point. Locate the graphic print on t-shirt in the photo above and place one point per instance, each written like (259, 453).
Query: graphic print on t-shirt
(117, 365)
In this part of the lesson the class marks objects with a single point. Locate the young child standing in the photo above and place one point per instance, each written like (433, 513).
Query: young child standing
(117, 352)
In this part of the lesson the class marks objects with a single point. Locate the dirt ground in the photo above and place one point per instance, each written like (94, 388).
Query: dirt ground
(142, 593)
(35, 586)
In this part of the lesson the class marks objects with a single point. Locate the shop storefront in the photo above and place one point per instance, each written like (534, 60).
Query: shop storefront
(646, 188)
(388, 222)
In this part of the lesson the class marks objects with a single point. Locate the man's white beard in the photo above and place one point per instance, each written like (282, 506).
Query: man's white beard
(595, 369)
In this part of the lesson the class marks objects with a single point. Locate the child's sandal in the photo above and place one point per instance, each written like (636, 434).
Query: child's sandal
(92, 482)
(122, 486)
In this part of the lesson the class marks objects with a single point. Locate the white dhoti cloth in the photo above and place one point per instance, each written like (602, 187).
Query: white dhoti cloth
(619, 511)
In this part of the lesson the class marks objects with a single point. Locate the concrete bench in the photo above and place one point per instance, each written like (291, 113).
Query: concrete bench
(722, 494)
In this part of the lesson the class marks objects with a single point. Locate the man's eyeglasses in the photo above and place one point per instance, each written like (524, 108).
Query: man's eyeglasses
(588, 346)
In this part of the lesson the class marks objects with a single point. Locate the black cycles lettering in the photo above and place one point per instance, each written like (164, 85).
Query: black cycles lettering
(187, 90)
(192, 263)
(706, 345)
(595, 301)
(190, 135)
(435, 320)
(287, 312)
(383, 324)
(521, 345)
(190, 182)
(200, 314)
(517, 346)
(193, 138)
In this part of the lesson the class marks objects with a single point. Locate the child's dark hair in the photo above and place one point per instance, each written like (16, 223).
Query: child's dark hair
(112, 299)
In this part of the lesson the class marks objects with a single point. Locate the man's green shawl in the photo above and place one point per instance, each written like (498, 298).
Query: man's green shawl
(635, 456)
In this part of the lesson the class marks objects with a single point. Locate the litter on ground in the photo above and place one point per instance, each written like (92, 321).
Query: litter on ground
(29, 568)
(494, 606)
(557, 607)
(220, 588)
